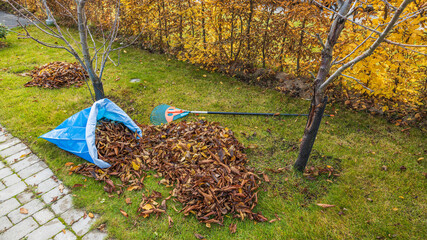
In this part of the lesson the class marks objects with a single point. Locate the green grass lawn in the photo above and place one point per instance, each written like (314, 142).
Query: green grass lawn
(356, 144)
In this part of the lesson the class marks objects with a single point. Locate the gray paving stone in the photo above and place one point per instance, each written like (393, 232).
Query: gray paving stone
(72, 215)
(68, 235)
(4, 137)
(4, 172)
(25, 196)
(34, 206)
(82, 226)
(62, 204)
(27, 161)
(20, 230)
(9, 143)
(32, 169)
(13, 149)
(11, 179)
(47, 185)
(5, 223)
(18, 156)
(48, 197)
(39, 177)
(95, 235)
(46, 231)
(43, 216)
(2, 165)
(8, 206)
(12, 191)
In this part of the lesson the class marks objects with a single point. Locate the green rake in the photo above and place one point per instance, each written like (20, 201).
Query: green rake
(164, 114)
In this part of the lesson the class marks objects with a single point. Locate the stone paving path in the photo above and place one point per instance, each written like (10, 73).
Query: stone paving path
(34, 204)
(11, 21)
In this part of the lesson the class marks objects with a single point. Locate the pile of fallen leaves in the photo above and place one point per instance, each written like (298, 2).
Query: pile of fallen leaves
(57, 75)
(203, 161)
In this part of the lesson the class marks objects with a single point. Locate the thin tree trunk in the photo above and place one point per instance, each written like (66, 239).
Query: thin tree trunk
(310, 133)
(232, 36)
(300, 46)
(203, 25)
(282, 49)
(248, 29)
(96, 81)
(318, 101)
(241, 39)
(264, 44)
(160, 27)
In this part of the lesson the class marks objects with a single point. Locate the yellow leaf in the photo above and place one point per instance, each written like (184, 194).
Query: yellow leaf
(147, 206)
(135, 166)
(91, 215)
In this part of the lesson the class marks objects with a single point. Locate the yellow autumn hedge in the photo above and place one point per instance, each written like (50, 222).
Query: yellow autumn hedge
(243, 35)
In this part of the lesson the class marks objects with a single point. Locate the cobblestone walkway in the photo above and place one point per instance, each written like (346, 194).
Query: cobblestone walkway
(34, 204)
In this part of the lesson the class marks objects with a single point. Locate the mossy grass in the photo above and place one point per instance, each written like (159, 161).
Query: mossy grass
(374, 196)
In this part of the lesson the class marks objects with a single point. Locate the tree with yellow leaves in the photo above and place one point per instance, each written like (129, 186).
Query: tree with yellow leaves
(388, 30)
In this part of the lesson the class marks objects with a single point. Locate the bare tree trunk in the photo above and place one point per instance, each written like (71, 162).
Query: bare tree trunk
(203, 25)
(300, 46)
(96, 81)
(318, 102)
(264, 44)
(248, 29)
(310, 133)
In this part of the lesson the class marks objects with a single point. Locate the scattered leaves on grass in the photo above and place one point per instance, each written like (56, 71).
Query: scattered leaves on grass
(57, 75)
(23, 210)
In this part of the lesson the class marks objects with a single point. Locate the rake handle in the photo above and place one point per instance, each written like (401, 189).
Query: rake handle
(246, 113)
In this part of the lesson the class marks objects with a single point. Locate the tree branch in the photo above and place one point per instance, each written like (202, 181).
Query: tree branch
(372, 48)
(358, 81)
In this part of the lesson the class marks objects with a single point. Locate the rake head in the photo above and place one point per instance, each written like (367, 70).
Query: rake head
(164, 114)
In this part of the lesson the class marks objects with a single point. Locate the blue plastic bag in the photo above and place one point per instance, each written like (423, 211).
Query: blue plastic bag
(77, 134)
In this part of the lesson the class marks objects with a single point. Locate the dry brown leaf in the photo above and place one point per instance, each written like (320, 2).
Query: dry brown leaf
(69, 164)
(199, 236)
(23, 210)
(232, 228)
(61, 188)
(91, 215)
(124, 213)
(266, 177)
(170, 220)
(324, 205)
(128, 201)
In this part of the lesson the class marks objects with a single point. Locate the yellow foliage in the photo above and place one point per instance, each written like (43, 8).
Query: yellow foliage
(237, 35)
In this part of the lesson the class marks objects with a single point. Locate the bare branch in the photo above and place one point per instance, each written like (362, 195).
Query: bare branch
(354, 50)
(358, 81)
(371, 49)
(370, 29)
